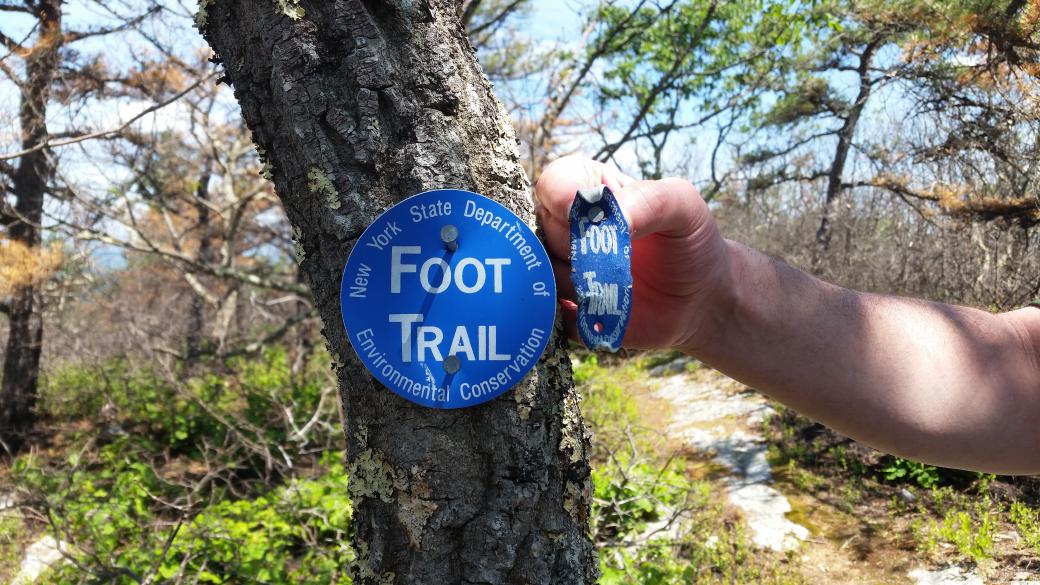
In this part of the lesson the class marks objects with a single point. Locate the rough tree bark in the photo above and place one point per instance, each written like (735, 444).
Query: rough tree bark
(385, 99)
(18, 390)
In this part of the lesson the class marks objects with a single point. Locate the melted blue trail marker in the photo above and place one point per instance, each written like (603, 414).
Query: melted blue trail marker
(448, 299)
(601, 260)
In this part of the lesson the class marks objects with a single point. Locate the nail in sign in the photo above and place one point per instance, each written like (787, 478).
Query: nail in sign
(448, 299)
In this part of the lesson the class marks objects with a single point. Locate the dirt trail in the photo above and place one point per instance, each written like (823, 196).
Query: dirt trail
(718, 421)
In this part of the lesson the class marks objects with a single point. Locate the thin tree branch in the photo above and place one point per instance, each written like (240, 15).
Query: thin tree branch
(73, 36)
(113, 131)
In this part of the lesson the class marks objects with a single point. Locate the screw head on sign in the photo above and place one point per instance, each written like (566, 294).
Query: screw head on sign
(450, 237)
(452, 364)
(591, 195)
(596, 214)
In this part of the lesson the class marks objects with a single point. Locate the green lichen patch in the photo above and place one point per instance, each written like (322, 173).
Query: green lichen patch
(371, 476)
(267, 170)
(362, 571)
(362, 436)
(572, 431)
(202, 16)
(300, 254)
(524, 397)
(572, 503)
(318, 182)
(291, 8)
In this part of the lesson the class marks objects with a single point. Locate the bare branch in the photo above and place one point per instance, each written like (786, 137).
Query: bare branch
(113, 131)
(495, 20)
(10, 44)
(73, 36)
(469, 10)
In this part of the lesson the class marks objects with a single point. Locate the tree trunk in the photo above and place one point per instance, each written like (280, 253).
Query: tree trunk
(197, 341)
(386, 99)
(825, 232)
(18, 390)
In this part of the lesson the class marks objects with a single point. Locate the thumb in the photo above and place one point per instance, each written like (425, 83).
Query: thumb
(671, 207)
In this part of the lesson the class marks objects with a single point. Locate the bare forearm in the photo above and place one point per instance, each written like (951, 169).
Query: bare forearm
(948, 385)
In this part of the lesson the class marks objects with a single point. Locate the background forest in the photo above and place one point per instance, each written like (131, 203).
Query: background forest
(167, 409)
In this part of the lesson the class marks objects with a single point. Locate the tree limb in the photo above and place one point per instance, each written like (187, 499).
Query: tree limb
(73, 36)
(110, 132)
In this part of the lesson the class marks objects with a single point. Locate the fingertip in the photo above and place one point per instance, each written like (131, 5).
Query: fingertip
(560, 180)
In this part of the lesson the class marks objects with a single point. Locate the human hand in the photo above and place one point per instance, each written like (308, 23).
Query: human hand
(680, 268)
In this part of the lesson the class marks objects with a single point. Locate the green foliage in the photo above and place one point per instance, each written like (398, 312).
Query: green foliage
(220, 478)
(629, 496)
(656, 527)
(170, 415)
(922, 474)
(251, 399)
(12, 532)
(650, 522)
(970, 526)
(1027, 521)
(294, 533)
(607, 401)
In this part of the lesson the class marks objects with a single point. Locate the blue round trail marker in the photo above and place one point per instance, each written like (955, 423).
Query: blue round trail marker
(448, 298)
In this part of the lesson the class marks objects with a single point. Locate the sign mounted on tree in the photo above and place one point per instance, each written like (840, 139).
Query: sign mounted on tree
(448, 298)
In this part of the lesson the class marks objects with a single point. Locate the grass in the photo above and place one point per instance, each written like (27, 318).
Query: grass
(1027, 522)
(966, 525)
(12, 534)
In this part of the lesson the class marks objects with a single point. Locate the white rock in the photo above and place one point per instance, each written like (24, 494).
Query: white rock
(947, 576)
(742, 452)
(40, 556)
(765, 511)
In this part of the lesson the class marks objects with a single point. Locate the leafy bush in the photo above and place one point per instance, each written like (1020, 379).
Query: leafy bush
(654, 526)
(629, 497)
(1027, 521)
(607, 402)
(219, 478)
(922, 474)
(970, 526)
(120, 531)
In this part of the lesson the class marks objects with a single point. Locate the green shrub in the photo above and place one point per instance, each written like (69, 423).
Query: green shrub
(252, 400)
(1027, 521)
(970, 526)
(922, 474)
(120, 532)
(607, 402)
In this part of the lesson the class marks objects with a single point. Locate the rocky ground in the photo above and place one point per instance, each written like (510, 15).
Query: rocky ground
(718, 423)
